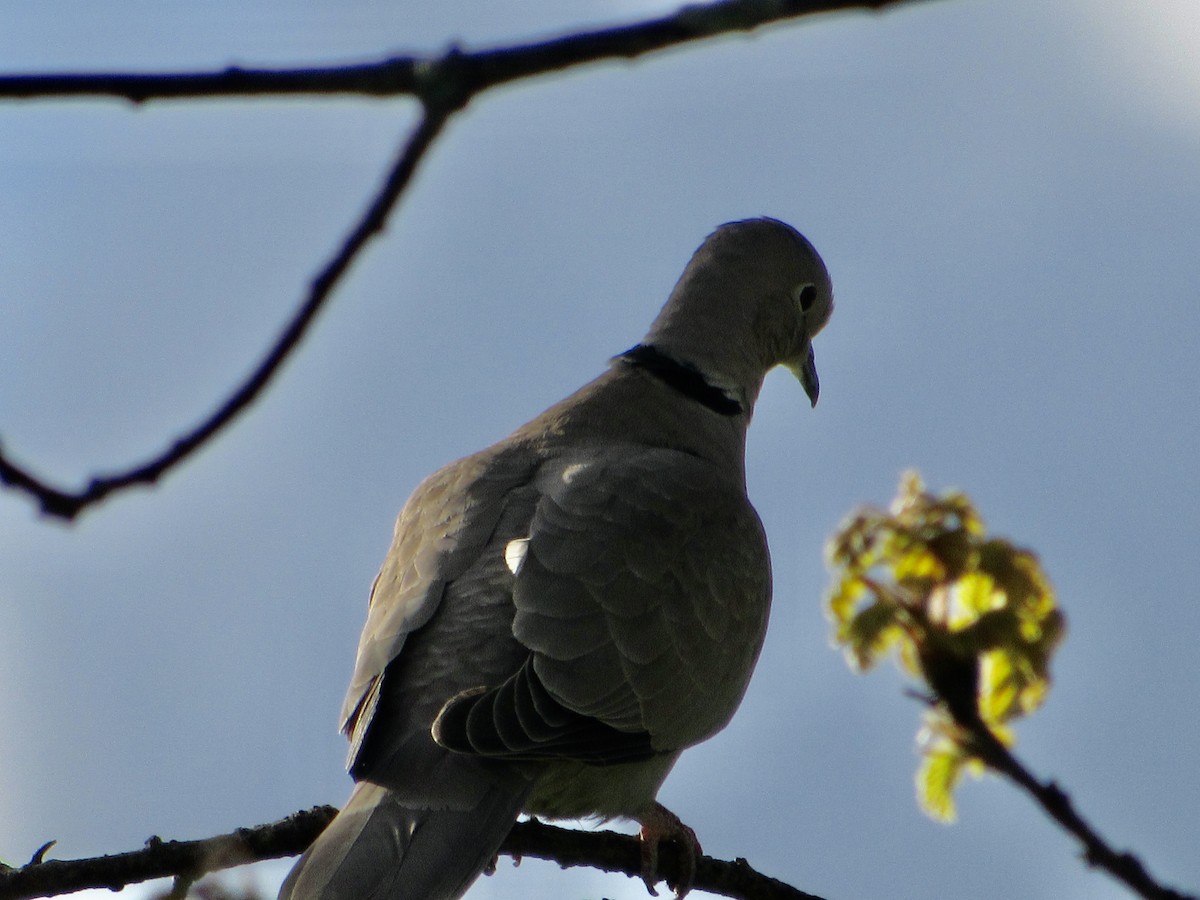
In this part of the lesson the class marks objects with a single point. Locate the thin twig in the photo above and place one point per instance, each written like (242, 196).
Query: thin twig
(400, 75)
(188, 860)
(1123, 866)
(68, 504)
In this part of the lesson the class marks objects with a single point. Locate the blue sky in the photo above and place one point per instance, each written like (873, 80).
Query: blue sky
(1007, 196)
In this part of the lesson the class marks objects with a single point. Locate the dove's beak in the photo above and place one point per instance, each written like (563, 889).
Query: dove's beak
(806, 371)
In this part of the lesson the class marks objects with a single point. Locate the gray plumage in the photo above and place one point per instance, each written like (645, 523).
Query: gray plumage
(561, 614)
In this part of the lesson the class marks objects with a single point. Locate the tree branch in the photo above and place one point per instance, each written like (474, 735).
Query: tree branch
(188, 860)
(67, 505)
(1123, 866)
(471, 72)
(164, 859)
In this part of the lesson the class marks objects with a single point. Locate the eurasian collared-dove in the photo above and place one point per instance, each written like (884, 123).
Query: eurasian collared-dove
(559, 615)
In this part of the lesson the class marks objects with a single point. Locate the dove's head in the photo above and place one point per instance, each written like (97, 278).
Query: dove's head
(753, 297)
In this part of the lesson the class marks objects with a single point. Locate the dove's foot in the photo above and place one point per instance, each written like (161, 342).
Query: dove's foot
(660, 824)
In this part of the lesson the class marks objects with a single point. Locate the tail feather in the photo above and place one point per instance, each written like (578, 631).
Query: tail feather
(378, 849)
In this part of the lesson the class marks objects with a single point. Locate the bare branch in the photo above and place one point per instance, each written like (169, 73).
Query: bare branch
(188, 860)
(613, 852)
(468, 73)
(67, 505)
(164, 859)
(1123, 866)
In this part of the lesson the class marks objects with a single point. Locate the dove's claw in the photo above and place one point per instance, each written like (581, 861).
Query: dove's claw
(660, 824)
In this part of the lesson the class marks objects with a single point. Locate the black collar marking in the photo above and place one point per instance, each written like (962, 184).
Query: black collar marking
(680, 376)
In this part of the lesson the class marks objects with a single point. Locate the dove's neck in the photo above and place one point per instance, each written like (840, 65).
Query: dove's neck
(684, 378)
(634, 404)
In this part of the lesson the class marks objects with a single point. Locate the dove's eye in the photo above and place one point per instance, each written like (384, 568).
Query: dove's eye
(807, 297)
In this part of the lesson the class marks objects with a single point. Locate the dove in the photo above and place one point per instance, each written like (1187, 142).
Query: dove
(562, 613)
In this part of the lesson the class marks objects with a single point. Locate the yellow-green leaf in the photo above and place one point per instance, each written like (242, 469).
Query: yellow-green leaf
(936, 778)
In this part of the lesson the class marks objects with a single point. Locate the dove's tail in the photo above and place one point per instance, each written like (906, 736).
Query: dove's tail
(379, 849)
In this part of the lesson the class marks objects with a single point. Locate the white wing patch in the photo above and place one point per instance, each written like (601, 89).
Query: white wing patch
(569, 473)
(514, 554)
